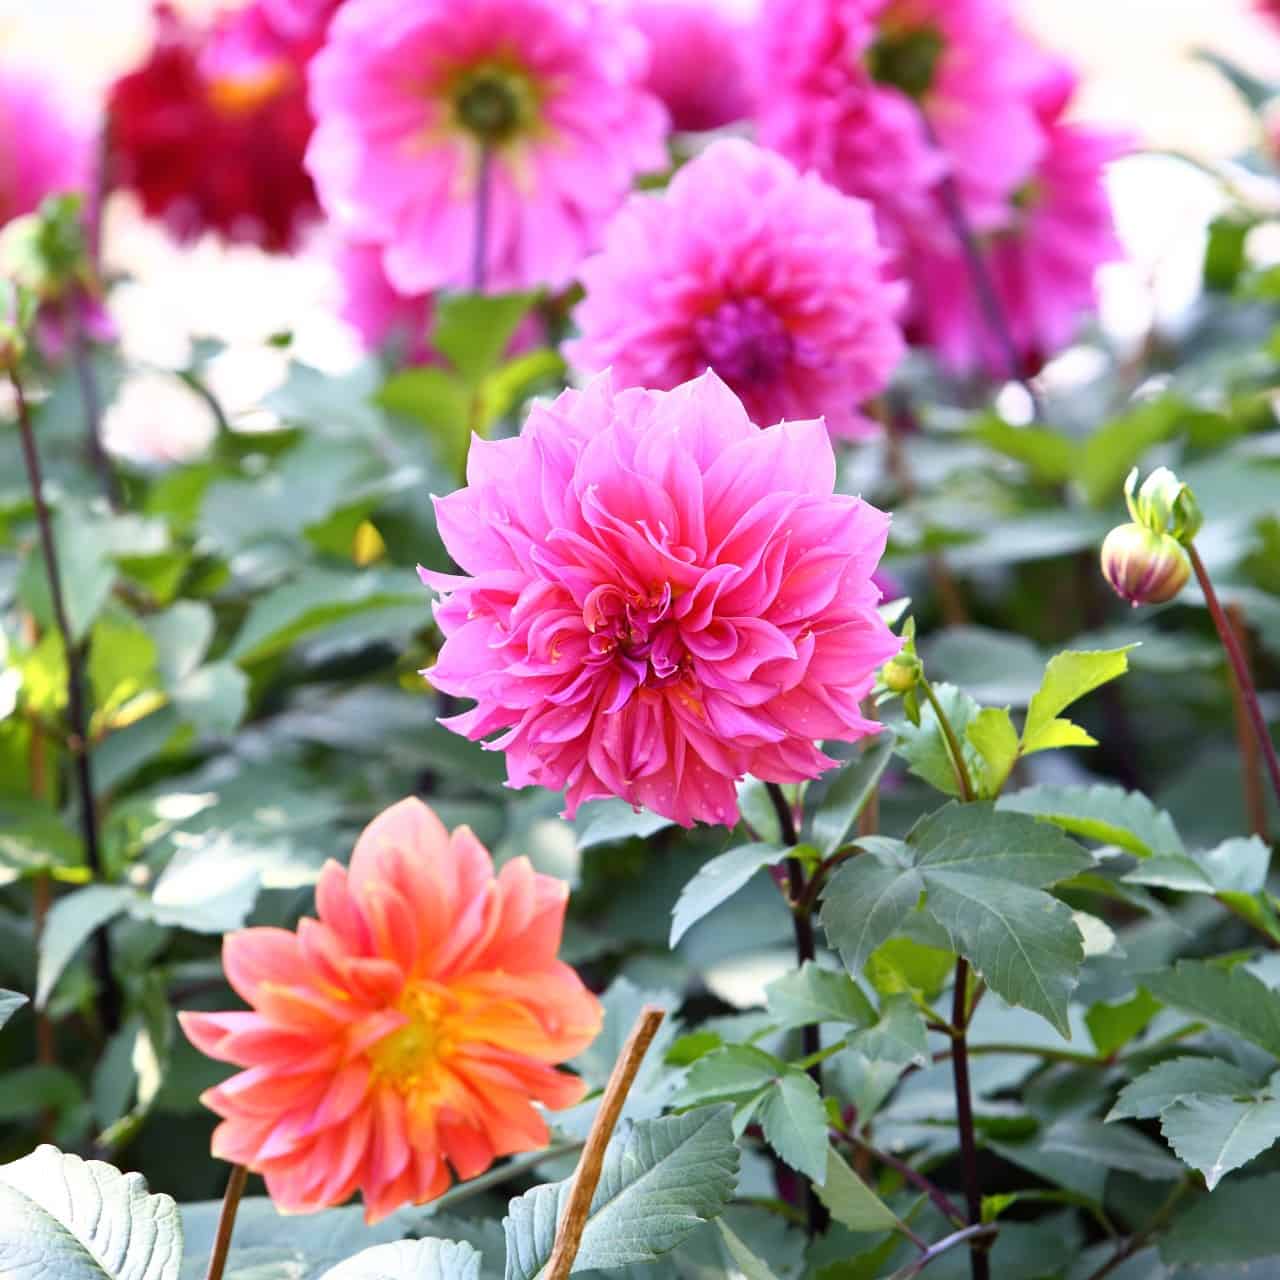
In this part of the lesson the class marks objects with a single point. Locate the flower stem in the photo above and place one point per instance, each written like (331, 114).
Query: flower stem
(227, 1221)
(77, 712)
(984, 288)
(802, 904)
(941, 1201)
(1255, 797)
(958, 764)
(587, 1176)
(979, 1260)
(976, 1235)
(480, 245)
(1239, 668)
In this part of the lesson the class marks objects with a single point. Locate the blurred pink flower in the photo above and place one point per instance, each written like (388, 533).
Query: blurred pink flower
(773, 280)
(300, 19)
(658, 597)
(1058, 230)
(697, 60)
(44, 148)
(375, 310)
(409, 97)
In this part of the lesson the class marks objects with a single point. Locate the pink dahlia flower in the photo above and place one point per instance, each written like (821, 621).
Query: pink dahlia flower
(375, 310)
(410, 98)
(697, 61)
(43, 147)
(657, 598)
(1059, 229)
(300, 19)
(773, 280)
(852, 83)
(405, 1035)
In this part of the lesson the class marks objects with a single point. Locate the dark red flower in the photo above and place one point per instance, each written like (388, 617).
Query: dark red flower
(210, 131)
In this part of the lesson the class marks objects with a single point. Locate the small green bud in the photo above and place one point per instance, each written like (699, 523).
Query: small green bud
(47, 252)
(1143, 566)
(1164, 504)
(17, 310)
(901, 673)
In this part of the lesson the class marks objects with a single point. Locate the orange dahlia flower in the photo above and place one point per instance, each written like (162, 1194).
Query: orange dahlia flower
(408, 1030)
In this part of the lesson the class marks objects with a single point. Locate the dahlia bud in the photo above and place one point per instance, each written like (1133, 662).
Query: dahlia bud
(1143, 566)
(46, 252)
(901, 673)
(1164, 504)
(15, 319)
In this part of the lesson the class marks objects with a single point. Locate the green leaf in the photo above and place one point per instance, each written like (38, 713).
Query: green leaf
(1255, 92)
(812, 994)
(1173, 1081)
(1175, 872)
(208, 887)
(990, 666)
(122, 661)
(899, 1035)
(34, 840)
(182, 634)
(215, 698)
(613, 821)
(924, 746)
(10, 1003)
(1109, 453)
(850, 1201)
(717, 881)
(1112, 1026)
(1224, 254)
(1106, 814)
(864, 904)
(28, 1091)
(1218, 1134)
(1238, 865)
(992, 735)
(751, 1267)
(512, 381)
(795, 1123)
(83, 1220)
(473, 330)
(85, 569)
(905, 965)
(1050, 457)
(316, 599)
(1067, 678)
(1238, 1223)
(1233, 999)
(69, 925)
(410, 1260)
(731, 1073)
(660, 1182)
(831, 812)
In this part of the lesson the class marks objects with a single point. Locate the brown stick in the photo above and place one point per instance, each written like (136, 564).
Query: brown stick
(1255, 798)
(227, 1221)
(587, 1176)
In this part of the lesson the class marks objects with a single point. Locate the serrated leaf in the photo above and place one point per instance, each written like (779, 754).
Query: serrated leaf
(1238, 1223)
(717, 881)
(1106, 814)
(1169, 1082)
(795, 1123)
(1067, 678)
(612, 821)
(864, 904)
(924, 746)
(1170, 871)
(850, 1201)
(829, 816)
(735, 1071)
(10, 1003)
(1219, 1134)
(812, 994)
(660, 1182)
(993, 737)
(68, 927)
(410, 1260)
(751, 1267)
(1234, 999)
(83, 1220)
(1238, 865)
(899, 1035)
(1022, 941)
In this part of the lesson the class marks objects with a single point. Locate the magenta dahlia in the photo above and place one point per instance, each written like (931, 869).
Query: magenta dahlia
(1058, 230)
(772, 279)
(44, 148)
(300, 19)
(411, 99)
(657, 597)
(379, 314)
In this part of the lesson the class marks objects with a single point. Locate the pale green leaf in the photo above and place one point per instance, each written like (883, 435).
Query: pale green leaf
(899, 1035)
(717, 881)
(1218, 1134)
(1238, 1223)
(1172, 1081)
(1239, 865)
(1106, 814)
(850, 1201)
(604, 822)
(751, 1267)
(795, 1123)
(1170, 871)
(1112, 1026)
(864, 904)
(75, 1219)
(812, 994)
(1067, 678)
(10, 1003)
(410, 1260)
(1232, 999)
(661, 1180)
(993, 737)
(73, 919)
(833, 804)
(474, 330)
(732, 1072)
(924, 746)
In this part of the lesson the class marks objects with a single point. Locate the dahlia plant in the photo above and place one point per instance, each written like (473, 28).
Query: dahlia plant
(606, 745)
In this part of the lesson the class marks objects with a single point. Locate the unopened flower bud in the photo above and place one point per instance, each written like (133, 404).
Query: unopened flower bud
(1142, 566)
(901, 674)
(1164, 504)
(15, 319)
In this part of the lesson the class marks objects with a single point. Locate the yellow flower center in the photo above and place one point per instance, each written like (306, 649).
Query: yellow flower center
(410, 1057)
(240, 94)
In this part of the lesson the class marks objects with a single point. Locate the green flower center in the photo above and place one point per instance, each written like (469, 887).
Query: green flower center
(494, 104)
(907, 60)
